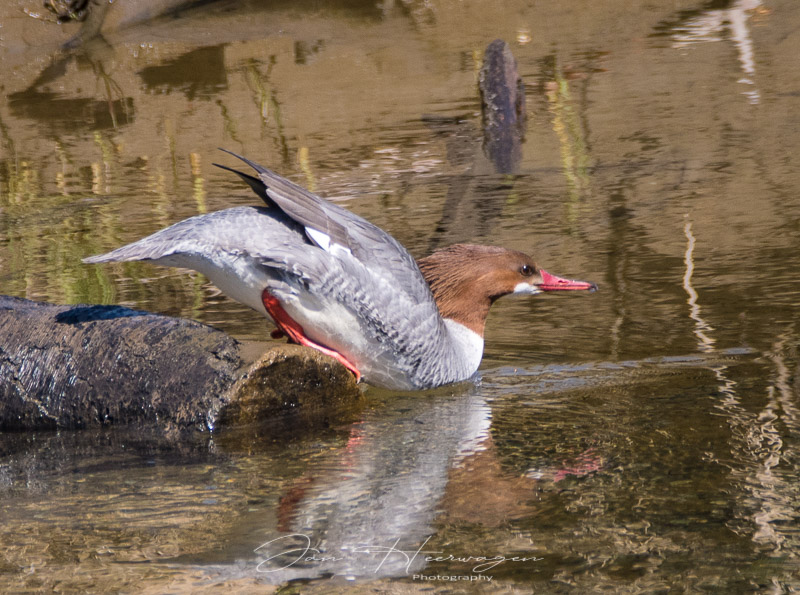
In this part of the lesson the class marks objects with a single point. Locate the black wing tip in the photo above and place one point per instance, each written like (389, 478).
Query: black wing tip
(256, 185)
(247, 177)
(259, 168)
(225, 167)
(229, 152)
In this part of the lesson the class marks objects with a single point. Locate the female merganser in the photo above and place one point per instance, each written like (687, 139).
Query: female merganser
(331, 280)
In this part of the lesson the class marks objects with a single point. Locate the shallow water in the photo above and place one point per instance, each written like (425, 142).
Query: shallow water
(643, 438)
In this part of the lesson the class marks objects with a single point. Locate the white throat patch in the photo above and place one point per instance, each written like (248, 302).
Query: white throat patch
(527, 288)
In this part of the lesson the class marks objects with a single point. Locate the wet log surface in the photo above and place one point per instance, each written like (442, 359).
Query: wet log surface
(72, 367)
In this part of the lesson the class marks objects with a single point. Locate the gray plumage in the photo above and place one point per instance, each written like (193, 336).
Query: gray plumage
(351, 285)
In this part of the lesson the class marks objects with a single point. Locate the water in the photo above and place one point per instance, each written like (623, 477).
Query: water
(640, 439)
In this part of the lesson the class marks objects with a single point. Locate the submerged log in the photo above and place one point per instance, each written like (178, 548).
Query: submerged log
(84, 366)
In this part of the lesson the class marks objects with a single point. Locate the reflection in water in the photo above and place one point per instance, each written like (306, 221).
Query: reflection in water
(198, 74)
(775, 495)
(718, 24)
(705, 342)
(109, 108)
(382, 490)
(566, 122)
(198, 183)
(427, 471)
(757, 447)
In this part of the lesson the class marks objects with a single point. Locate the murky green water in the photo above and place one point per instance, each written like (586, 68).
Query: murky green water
(640, 439)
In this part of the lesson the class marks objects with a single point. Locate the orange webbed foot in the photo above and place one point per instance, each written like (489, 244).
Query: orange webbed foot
(288, 327)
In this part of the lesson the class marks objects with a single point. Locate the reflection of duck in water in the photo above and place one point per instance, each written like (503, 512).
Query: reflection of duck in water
(410, 466)
(333, 281)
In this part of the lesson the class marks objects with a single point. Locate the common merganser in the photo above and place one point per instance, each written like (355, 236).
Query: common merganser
(331, 280)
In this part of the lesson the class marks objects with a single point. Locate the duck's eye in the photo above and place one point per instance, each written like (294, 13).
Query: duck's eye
(526, 270)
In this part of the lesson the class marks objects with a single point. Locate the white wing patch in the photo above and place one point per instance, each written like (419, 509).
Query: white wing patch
(323, 240)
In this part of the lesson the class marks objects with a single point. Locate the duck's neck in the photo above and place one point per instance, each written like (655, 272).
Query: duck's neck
(455, 281)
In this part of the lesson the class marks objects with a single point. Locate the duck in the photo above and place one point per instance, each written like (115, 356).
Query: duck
(331, 280)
